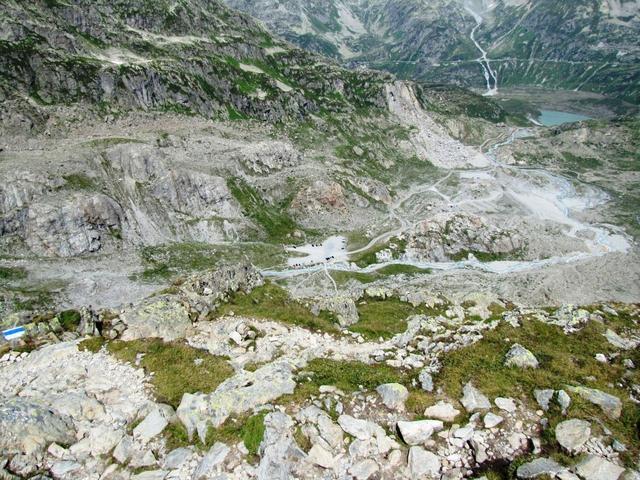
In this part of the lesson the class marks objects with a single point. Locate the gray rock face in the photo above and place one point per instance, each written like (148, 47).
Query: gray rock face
(393, 395)
(506, 404)
(158, 317)
(492, 420)
(153, 425)
(238, 394)
(473, 399)
(423, 463)
(446, 235)
(597, 468)
(209, 464)
(610, 404)
(573, 434)
(520, 357)
(418, 432)
(74, 225)
(539, 467)
(28, 427)
(321, 457)
(620, 342)
(278, 449)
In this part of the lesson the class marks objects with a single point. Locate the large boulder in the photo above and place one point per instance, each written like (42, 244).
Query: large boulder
(423, 463)
(418, 432)
(610, 404)
(473, 399)
(539, 467)
(238, 394)
(442, 411)
(573, 434)
(393, 395)
(598, 468)
(158, 317)
(520, 357)
(27, 427)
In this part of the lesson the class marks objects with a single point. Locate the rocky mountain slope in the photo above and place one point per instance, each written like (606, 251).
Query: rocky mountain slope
(581, 45)
(189, 57)
(224, 257)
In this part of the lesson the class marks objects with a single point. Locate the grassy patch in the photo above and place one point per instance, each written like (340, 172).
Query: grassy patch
(273, 303)
(369, 257)
(110, 142)
(348, 376)
(78, 181)
(163, 262)
(383, 318)
(343, 276)
(564, 359)
(69, 319)
(172, 364)
(12, 274)
(248, 429)
(272, 218)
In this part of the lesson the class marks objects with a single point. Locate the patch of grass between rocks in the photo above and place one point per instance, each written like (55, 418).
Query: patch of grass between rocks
(173, 365)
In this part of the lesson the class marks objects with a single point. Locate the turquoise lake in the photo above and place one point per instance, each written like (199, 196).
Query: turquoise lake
(550, 118)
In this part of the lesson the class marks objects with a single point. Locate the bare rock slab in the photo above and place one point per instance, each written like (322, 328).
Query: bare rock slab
(597, 468)
(473, 399)
(573, 434)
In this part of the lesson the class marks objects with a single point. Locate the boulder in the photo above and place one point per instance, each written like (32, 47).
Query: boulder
(153, 425)
(538, 468)
(28, 427)
(423, 463)
(543, 397)
(506, 404)
(364, 469)
(211, 461)
(520, 357)
(473, 399)
(573, 434)
(442, 411)
(319, 456)
(361, 429)
(598, 468)
(492, 420)
(238, 394)
(393, 395)
(426, 381)
(158, 317)
(418, 432)
(610, 404)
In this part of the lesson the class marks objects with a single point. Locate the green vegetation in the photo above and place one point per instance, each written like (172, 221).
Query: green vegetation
(347, 376)
(12, 274)
(383, 318)
(164, 262)
(341, 277)
(273, 303)
(369, 257)
(78, 181)
(173, 365)
(486, 256)
(272, 218)
(110, 142)
(249, 429)
(69, 319)
(580, 164)
(564, 360)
